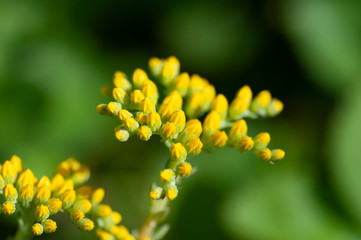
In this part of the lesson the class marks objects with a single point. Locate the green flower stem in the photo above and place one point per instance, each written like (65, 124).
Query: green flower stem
(25, 221)
(157, 213)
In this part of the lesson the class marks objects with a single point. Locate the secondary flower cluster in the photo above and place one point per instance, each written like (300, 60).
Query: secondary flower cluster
(171, 109)
(37, 199)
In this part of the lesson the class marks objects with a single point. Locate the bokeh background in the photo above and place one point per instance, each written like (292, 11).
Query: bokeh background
(55, 55)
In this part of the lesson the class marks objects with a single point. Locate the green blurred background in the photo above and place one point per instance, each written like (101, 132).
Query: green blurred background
(55, 55)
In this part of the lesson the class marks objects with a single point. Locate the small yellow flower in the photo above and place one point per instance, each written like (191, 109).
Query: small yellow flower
(150, 90)
(120, 231)
(57, 182)
(103, 235)
(170, 70)
(67, 185)
(156, 193)
(171, 193)
(178, 152)
(274, 107)
(26, 195)
(104, 210)
(246, 143)
(265, 154)
(131, 124)
(17, 163)
(261, 101)
(43, 194)
(167, 175)
(120, 81)
(194, 104)
(261, 140)
(238, 107)
(49, 226)
(245, 92)
(102, 109)
(8, 171)
(77, 215)
(122, 135)
(181, 83)
(147, 106)
(114, 107)
(37, 229)
(44, 181)
(184, 169)
(68, 198)
(194, 146)
(277, 154)
(83, 205)
(179, 119)
(156, 66)
(86, 224)
(10, 193)
(193, 129)
(141, 118)
(220, 105)
(154, 121)
(139, 76)
(144, 133)
(169, 130)
(116, 217)
(8, 208)
(42, 212)
(211, 123)
(136, 97)
(219, 139)
(54, 205)
(98, 195)
(238, 130)
(84, 192)
(124, 114)
(119, 95)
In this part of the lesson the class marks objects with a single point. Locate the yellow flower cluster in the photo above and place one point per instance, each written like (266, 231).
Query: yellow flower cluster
(38, 199)
(170, 107)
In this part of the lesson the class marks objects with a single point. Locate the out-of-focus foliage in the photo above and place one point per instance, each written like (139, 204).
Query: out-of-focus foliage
(55, 56)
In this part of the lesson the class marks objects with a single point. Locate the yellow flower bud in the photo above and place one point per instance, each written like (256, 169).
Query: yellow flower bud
(181, 83)
(261, 140)
(178, 152)
(238, 107)
(193, 129)
(116, 217)
(43, 194)
(77, 215)
(8, 208)
(49, 226)
(124, 114)
(170, 70)
(68, 198)
(211, 123)
(42, 212)
(167, 175)
(261, 101)
(10, 193)
(209, 92)
(44, 181)
(57, 182)
(265, 154)
(245, 92)
(246, 143)
(82, 205)
(175, 99)
(150, 90)
(274, 107)
(84, 192)
(154, 121)
(54, 205)
(119, 95)
(277, 154)
(37, 229)
(67, 185)
(219, 139)
(194, 146)
(238, 130)
(156, 66)
(86, 224)
(103, 235)
(172, 192)
(114, 107)
(102, 109)
(98, 195)
(169, 130)
(104, 210)
(196, 83)
(144, 133)
(194, 104)
(17, 163)
(156, 193)
(120, 81)
(120, 231)
(122, 135)
(141, 118)
(179, 119)
(139, 76)
(131, 124)
(220, 105)
(166, 110)
(136, 97)
(147, 106)
(8, 171)
(26, 195)
(64, 169)
(184, 169)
